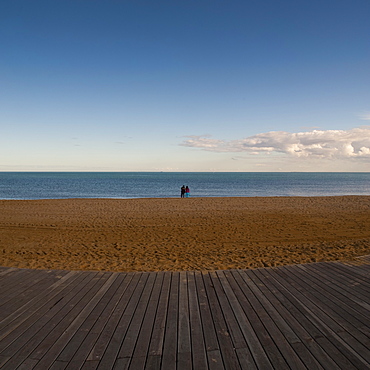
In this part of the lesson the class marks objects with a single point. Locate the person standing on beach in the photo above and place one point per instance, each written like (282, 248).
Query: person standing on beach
(183, 191)
(187, 191)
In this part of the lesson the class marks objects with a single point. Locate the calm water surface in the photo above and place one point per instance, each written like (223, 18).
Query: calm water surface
(59, 185)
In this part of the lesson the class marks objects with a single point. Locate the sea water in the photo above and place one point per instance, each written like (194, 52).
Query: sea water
(125, 185)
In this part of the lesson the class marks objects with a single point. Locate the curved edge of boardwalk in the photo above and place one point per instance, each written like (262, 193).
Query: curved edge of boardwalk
(313, 316)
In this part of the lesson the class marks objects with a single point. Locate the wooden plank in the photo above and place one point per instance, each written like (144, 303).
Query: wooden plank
(317, 313)
(22, 348)
(20, 315)
(21, 320)
(26, 288)
(338, 308)
(36, 319)
(319, 339)
(18, 332)
(99, 319)
(82, 325)
(313, 356)
(239, 325)
(15, 277)
(49, 349)
(210, 335)
(137, 319)
(213, 351)
(140, 353)
(245, 315)
(359, 283)
(341, 284)
(329, 326)
(258, 318)
(228, 353)
(169, 354)
(233, 328)
(184, 360)
(274, 327)
(236, 333)
(28, 364)
(21, 281)
(6, 270)
(349, 298)
(198, 348)
(107, 335)
(122, 363)
(352, 273)
(90, 365)
(112, 350)
(338, 350)
(157, 339)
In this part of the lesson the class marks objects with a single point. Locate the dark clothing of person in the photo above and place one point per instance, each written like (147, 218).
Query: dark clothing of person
(183, 191)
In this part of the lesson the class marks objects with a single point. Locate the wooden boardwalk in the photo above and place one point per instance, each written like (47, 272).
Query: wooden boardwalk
(314, 316)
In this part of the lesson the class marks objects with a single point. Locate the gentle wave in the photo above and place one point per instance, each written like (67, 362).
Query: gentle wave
(122, 185)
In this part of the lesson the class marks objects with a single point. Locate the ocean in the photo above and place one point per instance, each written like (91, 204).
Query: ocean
(127, 185)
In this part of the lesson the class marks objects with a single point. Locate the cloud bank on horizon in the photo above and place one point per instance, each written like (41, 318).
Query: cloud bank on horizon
(325, 144)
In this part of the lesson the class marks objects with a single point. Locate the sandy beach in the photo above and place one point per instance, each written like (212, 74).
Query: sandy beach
(182, 234)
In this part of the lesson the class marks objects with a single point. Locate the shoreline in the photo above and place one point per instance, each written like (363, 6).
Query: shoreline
(173, 234)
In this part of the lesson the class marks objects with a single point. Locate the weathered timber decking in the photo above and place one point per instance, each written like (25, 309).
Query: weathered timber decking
(314, 316)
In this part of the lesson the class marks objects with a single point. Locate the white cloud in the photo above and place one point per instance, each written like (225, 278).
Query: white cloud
(341, 144)
(203, 142)
(365, 116)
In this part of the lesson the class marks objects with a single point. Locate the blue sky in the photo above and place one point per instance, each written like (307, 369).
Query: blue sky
(185, 85)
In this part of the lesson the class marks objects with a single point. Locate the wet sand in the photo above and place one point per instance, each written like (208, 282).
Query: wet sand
(182, 234)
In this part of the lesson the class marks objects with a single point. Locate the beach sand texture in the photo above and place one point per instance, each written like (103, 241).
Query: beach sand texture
(182, 234)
